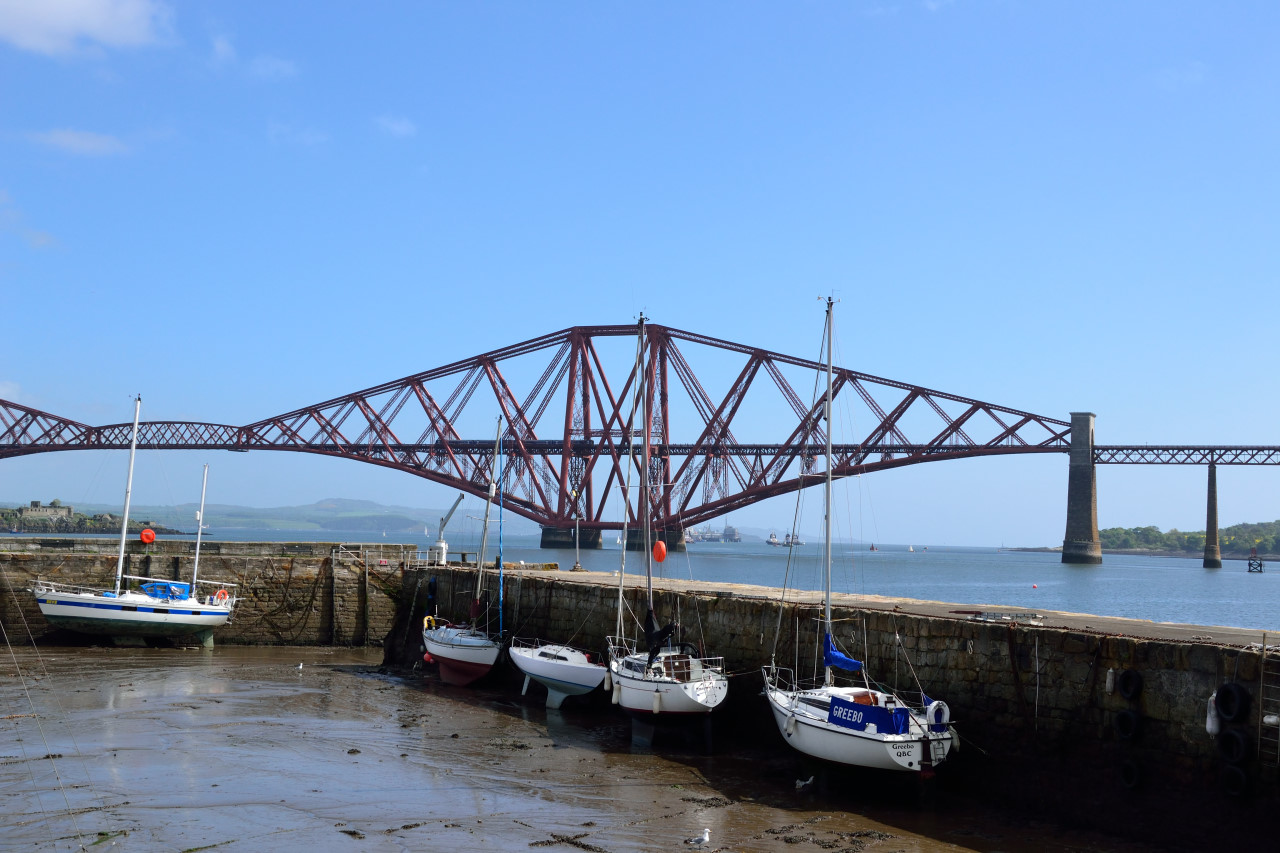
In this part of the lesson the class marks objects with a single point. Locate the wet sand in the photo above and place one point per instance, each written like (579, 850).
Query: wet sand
(238, 749)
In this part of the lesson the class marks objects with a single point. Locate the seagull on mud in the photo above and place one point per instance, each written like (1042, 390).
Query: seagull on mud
(802, 784)
(699, 840)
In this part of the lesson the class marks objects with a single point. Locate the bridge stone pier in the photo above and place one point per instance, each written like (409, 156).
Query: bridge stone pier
(1212, 554)
(1081, 543)
(562, 538)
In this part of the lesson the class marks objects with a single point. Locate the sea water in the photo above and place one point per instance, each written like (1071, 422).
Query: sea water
(1162, 589)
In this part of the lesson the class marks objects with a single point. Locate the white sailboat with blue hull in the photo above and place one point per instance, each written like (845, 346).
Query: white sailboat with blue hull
(155, 608)
(856, 724)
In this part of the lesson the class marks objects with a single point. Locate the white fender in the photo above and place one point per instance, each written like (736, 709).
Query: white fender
(657, 701)
(617, 693)
(790, 726)
(608, 681)
(525, 689)
(1211, 724)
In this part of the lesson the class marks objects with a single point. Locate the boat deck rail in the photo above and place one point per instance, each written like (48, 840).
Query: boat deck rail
(783, 678)
(162, 580)
(676, 665)
(40, 586)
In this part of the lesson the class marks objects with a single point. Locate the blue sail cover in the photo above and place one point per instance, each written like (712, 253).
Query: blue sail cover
(831, 656)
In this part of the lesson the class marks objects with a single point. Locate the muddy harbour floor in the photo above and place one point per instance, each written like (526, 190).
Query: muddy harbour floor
(239, 749)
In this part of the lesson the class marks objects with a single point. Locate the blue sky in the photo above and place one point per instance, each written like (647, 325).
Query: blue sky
(239, 209)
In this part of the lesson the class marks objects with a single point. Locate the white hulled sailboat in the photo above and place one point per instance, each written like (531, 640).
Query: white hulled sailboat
(156, 608)
(668, 678)
(864, 724)
(464, 652)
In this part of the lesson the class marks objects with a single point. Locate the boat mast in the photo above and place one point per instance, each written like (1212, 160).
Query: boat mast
(626, 489)
(128, 490)
(484, 528)
(643, 501)
(827, 414)
(499, 463)
(195, 569)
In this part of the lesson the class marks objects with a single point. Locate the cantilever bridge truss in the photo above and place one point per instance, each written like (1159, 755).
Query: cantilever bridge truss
(747, 426)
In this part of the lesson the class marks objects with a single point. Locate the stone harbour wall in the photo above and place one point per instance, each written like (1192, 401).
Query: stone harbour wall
(1093, 723)
(290, 593)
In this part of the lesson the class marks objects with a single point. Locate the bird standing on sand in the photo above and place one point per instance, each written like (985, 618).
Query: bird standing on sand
(699, 840)
(299, 667)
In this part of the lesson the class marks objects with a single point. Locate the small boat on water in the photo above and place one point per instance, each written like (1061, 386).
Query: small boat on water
(464, 652)
(856, 722)
(152, 608)
(772, 540)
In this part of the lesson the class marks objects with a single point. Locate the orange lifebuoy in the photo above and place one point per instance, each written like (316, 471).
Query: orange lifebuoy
(220, 597)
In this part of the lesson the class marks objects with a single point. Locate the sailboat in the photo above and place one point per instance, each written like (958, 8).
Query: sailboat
(859, 724)
(464, 652)
(669, 679)
(157, 608)
(564, 670)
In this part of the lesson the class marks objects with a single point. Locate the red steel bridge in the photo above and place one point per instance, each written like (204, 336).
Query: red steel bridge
(572, 432)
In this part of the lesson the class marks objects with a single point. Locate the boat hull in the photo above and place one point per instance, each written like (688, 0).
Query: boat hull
(639, 691)
(130, 615)
(814, 736)
(563, 670)
(464, 655)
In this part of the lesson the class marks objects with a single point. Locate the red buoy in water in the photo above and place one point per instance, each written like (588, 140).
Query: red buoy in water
(659, 551)
(427, 658)
(148, 536)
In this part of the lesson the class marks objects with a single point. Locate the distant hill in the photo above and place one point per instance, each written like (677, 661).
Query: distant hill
(339, 514)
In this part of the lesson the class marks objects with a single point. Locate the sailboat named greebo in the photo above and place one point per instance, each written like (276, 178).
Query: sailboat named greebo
(864, 724)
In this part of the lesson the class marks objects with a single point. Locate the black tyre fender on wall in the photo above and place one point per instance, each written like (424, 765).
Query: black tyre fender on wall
(1130, 774)
(1233, 702)
(1234, 781)
(1127, 723)
(1130, 683)
(1234, 745)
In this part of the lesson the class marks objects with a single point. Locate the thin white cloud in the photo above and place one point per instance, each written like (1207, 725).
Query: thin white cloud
(82, 142)
(397, 126)
(224, 55)
(11, 220)
(62, 27)
(224, 52)
(280, 133)
(272, 68)
(935, 5)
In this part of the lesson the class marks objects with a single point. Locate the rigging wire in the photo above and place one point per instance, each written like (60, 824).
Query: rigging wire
(44, 670)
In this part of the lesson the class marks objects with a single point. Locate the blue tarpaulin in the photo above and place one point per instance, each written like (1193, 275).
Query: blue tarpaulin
(831, 656)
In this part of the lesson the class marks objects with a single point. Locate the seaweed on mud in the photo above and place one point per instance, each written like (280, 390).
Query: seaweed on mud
(708, 802)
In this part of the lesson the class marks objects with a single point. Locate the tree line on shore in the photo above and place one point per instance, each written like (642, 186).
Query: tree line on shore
(1238, 539)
